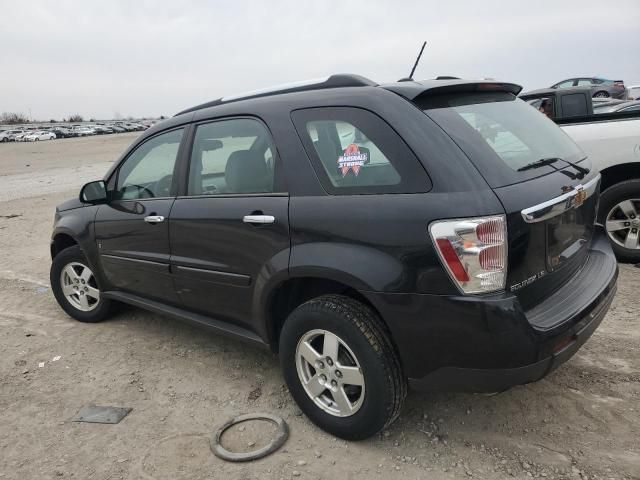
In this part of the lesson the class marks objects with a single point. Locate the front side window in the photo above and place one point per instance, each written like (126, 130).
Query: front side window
(232, 157)
(354, 151)
(148, 171)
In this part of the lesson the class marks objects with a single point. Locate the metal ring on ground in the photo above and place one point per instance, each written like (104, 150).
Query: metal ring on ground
(281, 435)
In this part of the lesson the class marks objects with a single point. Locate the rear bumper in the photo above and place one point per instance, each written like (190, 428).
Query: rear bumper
(489, 343)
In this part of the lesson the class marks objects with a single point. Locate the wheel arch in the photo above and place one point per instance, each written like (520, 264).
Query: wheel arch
(61, 241)
(619, 173)
(294, 291)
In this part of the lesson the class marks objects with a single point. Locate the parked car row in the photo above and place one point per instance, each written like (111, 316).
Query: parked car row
(36, 133)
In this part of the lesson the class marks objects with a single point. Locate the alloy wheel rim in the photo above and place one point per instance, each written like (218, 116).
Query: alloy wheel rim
(623, 224)
(330, 373)
(79, 286)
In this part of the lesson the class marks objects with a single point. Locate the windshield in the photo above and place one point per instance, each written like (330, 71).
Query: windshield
(502, 134)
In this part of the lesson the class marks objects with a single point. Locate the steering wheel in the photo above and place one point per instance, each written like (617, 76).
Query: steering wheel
(163, 186)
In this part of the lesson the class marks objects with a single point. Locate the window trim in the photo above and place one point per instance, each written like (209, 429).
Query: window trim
(279, 181)
(112, 181)
(422, 184)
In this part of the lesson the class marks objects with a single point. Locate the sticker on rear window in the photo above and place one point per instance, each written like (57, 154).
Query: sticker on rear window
(352, 159)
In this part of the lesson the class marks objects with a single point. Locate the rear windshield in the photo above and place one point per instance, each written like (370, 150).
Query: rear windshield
(501, 134)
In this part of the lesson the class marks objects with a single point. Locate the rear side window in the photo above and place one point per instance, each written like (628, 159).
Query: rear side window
(353, 151)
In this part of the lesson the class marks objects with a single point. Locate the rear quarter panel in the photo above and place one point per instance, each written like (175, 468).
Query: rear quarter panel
(378, 242)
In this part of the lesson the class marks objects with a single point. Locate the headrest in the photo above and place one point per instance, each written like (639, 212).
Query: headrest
(246, 172)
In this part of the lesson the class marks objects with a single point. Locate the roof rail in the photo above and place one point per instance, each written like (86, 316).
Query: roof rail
(332, 81)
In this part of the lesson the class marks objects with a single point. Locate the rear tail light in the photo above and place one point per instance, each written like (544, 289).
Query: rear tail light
(474, 251)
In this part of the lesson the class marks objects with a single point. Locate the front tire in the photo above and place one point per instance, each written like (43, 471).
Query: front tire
(76, 287)
(619, 212)
(341, 367)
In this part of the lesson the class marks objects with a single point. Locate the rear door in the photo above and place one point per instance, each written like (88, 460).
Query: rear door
(230, 229)
(132, 230)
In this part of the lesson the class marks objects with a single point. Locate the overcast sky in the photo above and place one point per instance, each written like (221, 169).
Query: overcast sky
(148, 58)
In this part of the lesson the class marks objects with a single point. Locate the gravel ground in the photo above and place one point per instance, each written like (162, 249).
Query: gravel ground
(582, 422)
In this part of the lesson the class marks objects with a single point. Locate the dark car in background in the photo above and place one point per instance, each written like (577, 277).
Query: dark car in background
(623, 106)
(102, 129)
(600, 87)
(62, 132)
(437, 234)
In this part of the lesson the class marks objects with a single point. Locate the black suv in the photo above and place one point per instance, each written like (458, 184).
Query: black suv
(439, 234)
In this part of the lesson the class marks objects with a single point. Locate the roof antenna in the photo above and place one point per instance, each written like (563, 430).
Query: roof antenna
(410, 77)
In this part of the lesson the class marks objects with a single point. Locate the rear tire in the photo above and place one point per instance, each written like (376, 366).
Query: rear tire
(619, 206)
(75, 287)
(601, 95)
(365, 369)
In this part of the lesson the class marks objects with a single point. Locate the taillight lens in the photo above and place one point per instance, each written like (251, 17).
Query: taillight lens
(474, 251)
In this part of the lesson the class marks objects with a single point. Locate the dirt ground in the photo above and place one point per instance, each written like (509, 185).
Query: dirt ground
(582, 422)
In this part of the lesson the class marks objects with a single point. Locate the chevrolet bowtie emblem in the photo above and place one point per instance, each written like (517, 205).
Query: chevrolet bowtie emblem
(580, 197)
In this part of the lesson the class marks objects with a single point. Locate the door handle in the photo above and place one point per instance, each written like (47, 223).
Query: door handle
(154, 219)
(259, 219)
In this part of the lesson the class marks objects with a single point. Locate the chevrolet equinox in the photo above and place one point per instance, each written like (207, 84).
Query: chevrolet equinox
(437, 234)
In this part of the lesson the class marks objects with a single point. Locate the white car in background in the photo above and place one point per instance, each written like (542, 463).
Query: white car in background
(9, 135)
(20, 136)
(633, 92)
(39, 135)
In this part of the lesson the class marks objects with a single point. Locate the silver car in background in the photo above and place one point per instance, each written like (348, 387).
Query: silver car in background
(600, 87)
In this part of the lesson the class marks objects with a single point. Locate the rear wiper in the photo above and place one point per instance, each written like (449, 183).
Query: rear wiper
(582, 170)
(548, 161)
(539, 163)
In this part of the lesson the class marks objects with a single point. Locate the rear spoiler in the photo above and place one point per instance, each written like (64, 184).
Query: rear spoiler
(412, 90)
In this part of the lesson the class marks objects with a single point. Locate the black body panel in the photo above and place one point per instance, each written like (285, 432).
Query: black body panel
(378, 242)
(218, 260)
(135, 254)
(435, 332)
(529, 274)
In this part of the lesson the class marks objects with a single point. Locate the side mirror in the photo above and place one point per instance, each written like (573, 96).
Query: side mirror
(94, 192)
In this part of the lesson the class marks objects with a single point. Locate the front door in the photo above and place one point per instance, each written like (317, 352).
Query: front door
(132, 230)
(231, 229)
